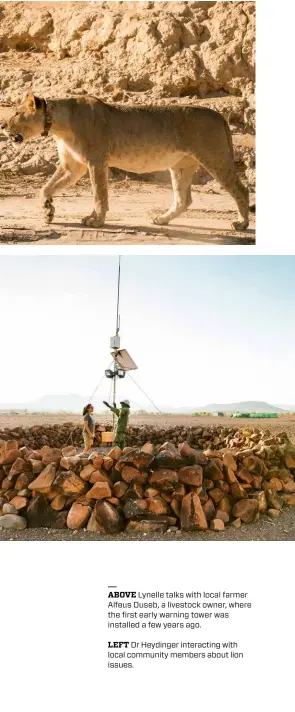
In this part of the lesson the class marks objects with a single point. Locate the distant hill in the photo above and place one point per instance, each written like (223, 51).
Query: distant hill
(287, 408)
(69, 403)
(49, 403)
(241, 407)
(73, 403)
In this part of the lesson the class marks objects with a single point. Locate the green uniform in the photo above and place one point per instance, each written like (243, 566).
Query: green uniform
(123, 416)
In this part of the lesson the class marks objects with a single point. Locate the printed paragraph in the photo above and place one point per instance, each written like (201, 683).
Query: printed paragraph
(189, 612)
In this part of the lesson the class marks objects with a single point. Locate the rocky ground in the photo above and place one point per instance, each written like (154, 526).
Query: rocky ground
(283, 529)
(167, 49)
(165, 420)
(137, 53)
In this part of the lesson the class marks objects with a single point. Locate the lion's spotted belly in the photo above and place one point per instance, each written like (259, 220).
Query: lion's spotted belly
(145, 163)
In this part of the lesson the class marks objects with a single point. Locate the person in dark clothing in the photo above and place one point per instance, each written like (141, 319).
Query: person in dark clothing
(88, 427)
(122, 423)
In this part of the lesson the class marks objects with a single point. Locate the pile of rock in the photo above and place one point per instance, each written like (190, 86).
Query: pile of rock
(211, 437)
(54, 435)
(203, 438)
(149, 488)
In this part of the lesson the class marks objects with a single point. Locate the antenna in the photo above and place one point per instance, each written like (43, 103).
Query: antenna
(122, 361)
(118, 298)
(117, 345)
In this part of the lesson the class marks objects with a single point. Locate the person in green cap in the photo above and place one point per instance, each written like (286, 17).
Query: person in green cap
(123, 417)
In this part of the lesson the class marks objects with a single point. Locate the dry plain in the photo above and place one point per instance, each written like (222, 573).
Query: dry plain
(163, 420)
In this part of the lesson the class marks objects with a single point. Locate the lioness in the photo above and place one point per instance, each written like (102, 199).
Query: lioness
(93, 135)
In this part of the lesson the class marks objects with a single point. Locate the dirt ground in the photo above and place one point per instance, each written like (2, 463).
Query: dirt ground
(129, 221)
(282, 529)
(276, 425)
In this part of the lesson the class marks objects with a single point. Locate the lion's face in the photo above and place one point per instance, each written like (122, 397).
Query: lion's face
(27, 121)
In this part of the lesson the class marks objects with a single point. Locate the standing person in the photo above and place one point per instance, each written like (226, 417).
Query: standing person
(123, 417)
(88, 428)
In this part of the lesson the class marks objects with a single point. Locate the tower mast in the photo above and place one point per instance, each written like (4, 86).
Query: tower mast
(122, 361)
(117, 337)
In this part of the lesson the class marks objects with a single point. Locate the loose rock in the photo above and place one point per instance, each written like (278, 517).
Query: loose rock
(131, 486)
(12, 521)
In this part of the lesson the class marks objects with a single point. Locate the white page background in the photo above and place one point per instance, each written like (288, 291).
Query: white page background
(54, 631)
(53, 596)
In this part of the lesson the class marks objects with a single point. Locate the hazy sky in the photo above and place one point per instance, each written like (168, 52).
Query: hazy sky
(201, 329)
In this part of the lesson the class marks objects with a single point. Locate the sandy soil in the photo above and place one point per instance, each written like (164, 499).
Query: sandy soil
(27, 420)
(129, 221)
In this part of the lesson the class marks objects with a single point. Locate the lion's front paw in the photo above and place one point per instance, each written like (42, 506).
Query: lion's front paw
(48, 210)
(93, 221)
(160, 220)
(240, 225)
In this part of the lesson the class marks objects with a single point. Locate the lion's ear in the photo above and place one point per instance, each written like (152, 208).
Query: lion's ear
(33, 101)
(30, 100)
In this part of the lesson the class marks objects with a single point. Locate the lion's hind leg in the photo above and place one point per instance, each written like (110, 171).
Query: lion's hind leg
(241, 195)
(229, 180)
(181, 177)
(216, 156)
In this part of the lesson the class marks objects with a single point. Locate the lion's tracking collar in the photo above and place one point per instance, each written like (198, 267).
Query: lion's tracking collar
(47, 119)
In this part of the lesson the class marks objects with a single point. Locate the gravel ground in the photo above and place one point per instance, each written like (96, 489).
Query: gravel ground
(281, 529)
(162, 420)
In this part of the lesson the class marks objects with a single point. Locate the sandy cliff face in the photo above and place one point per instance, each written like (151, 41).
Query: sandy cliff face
(135, 52)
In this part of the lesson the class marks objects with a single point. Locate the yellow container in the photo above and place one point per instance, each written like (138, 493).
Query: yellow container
(107, 437)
